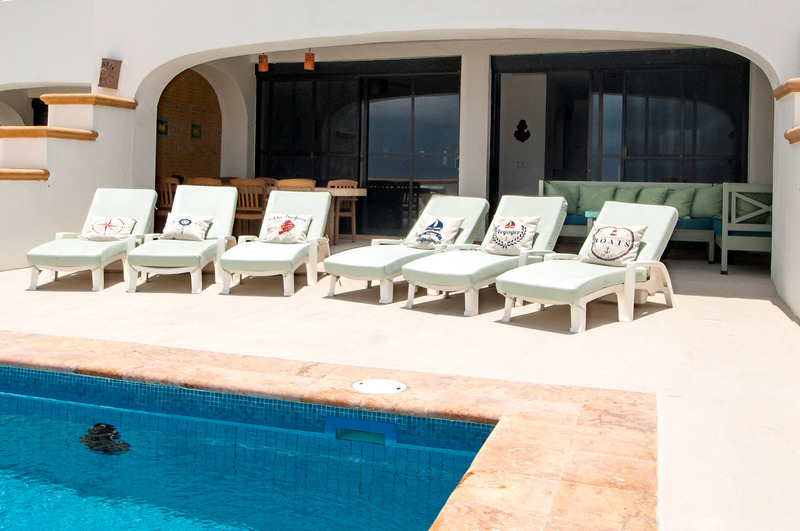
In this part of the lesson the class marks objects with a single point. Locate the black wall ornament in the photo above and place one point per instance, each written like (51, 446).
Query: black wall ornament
(522, 134)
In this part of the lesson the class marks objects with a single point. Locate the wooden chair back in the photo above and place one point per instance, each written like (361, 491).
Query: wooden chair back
(203, 181)
(303, 185)
(344, 207)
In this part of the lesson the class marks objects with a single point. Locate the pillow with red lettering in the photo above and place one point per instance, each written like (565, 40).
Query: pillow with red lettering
(511, 235)
(613, 245)
(108, 228)
(287, 228)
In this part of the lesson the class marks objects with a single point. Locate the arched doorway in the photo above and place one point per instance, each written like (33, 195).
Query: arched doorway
(189, 128)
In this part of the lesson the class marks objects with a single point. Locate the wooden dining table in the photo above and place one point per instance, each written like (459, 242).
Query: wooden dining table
(338, 194)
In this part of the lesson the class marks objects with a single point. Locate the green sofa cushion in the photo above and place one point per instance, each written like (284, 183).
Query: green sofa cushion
(707, 202)
(627, 194)
(568, 192)
(652, 195)
(682, 199)
(593, 198)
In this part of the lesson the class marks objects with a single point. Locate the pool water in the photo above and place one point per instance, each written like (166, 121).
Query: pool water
(190, 472)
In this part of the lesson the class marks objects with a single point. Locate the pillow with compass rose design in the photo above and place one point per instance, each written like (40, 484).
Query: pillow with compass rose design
(511, 235)
(108, 229)
(185, 227)
(287, 228)
(613, 245)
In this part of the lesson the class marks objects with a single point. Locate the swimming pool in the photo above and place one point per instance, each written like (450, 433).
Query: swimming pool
(205, 460)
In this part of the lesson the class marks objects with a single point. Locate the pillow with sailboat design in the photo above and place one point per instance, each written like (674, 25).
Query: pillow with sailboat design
(431, 231)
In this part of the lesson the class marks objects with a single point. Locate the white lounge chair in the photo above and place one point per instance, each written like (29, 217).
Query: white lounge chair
(384, 259)
(170, 256)
(469, 268)
(254, 256)
(110, 210)
(565, 279)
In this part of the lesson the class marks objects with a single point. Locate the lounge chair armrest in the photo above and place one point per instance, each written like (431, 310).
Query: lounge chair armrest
(151, 236)
(134, 240)
(561, 256)
(386, 241)
(524, 255)
(67, 235)
(247, 238)
(222, 244)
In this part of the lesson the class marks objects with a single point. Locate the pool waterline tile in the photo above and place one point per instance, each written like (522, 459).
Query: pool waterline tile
(533, 422)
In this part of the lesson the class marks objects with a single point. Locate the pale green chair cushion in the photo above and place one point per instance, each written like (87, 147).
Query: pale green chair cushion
(592, 198)
(569, 192)
(561, 280)
(707, 202)
(264, 256)
(682, 199)
(652, 195)
(458, 269)
(74, 252)
(373, 261)
(173, 253)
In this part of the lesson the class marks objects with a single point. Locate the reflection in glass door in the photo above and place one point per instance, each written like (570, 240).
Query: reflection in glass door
(411, 146)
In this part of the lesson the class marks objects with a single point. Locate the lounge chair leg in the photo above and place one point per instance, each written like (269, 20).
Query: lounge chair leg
(578, 318)
(311, 273)
(226, 284)
(470, 302)
(288, 284)
(387, 291)
(412, 290)
(133, 277)
(54, 275)
(510, 301)
(197, 280)
(332, 289)
(98, 279)
(34, 278)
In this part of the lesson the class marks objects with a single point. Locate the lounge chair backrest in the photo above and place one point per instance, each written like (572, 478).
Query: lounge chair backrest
(551, 211)
(659, 219)
(472, 209)
(125, 203)
(317, 204)
(216, 202)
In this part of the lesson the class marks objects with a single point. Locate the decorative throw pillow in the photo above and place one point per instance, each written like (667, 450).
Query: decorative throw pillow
(613, 245)
(511, 235)
(568, 192)
(681, 198)
(627, 194)
(652, 195)
(707, 202)
(592, 198)
(431, 231)
(287, 228)
(108, 228)
(185, 227)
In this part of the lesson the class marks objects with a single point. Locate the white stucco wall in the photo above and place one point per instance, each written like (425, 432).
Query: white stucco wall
(156, 40)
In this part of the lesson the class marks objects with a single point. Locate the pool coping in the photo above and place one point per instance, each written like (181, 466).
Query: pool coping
(559, 457)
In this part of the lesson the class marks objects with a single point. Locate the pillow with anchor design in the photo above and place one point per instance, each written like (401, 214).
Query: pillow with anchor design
(511, 235)
(185, 227)
(613, 245)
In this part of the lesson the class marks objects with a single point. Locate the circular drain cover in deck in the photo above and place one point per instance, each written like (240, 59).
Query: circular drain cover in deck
(379, 386)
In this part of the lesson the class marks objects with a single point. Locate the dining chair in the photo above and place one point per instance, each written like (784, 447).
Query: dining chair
(251, 204)
(203, 181)
(165, 188)
(297, 185)
(344, 207)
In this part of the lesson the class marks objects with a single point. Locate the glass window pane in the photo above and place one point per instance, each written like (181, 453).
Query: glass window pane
(337, 115)
(435, 167)
(292, 121)
(389, 167)
(663, 171)
(389, 116)
(715, 171)
(635, 125)
(612, 169)
(634, 170)
(664, 126)
(716, 132)
(436, 123)
(612, 124)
